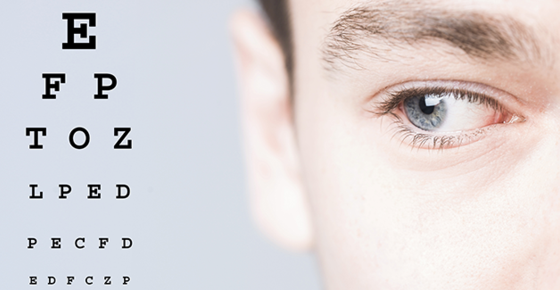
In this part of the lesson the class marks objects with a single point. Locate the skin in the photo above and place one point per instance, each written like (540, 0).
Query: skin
(328, 175)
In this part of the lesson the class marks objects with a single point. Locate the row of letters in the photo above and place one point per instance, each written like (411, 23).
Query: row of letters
(79, 243)
(89, 280)
(121, 132)
(94, 191)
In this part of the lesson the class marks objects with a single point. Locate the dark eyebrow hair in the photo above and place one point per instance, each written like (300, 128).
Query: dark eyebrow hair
(372, 30)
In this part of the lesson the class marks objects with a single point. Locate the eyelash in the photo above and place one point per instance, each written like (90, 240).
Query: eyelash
(421, 139)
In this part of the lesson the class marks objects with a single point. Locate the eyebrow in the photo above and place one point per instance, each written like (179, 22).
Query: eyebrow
(375, 31)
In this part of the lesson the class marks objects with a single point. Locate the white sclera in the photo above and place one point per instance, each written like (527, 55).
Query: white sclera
(461, 114)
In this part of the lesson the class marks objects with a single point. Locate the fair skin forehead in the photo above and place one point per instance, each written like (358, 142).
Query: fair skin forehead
(385, 215)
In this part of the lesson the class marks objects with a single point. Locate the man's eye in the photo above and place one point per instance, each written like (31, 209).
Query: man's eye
(449, 113)
(438, 117)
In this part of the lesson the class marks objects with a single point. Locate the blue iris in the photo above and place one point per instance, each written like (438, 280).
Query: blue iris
(425, 115)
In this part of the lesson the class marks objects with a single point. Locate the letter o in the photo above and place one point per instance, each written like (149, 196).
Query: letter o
(71, 138)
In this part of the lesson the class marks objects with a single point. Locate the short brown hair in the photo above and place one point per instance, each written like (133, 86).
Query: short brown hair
(278, 15)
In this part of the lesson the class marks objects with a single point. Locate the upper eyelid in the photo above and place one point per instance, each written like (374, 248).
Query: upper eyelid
(390, 95)
(399, 96)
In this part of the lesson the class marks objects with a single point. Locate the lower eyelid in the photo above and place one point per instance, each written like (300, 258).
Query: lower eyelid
(421, 139)
(435, 140)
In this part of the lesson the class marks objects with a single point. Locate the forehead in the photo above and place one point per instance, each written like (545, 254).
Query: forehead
(313, 23)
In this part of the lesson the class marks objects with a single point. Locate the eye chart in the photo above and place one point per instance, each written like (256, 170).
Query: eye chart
(120, 157)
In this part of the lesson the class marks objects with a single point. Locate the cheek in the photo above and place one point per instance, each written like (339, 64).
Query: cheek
(491, 223)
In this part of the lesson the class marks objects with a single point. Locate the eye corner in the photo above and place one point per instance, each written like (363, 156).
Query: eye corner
(516, 119)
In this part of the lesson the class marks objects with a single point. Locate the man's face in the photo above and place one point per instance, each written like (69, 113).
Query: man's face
(428, 140)
(480, 211)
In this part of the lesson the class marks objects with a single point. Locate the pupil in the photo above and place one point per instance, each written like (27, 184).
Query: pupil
(426, 109)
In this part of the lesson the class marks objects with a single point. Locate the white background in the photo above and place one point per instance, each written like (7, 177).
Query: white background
(187, 214)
